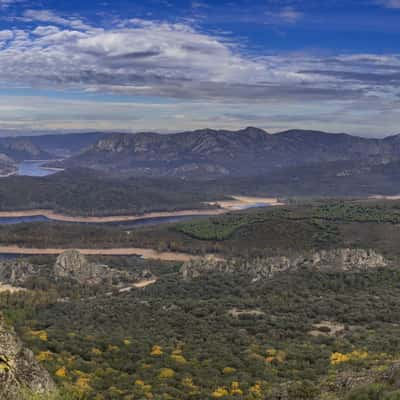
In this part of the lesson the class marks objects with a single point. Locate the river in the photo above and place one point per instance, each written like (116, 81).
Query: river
(125, 224)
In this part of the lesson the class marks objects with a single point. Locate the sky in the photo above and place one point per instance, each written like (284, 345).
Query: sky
(167, 66)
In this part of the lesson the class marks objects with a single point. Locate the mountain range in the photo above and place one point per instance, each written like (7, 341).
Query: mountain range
(209, 154)
(278, 159)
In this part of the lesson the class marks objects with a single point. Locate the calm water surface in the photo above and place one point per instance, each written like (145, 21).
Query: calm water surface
(34, 168)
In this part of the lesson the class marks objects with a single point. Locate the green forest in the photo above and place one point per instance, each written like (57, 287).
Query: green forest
(304, 334)
(219, 336)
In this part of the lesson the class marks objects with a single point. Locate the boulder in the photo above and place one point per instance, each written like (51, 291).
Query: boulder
(19, 371)
(73, 265)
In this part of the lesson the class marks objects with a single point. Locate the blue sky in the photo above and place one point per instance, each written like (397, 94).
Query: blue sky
(169, 65)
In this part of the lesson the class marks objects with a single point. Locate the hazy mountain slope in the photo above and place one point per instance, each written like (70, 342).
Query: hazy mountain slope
(67, 144)
(7, 165)
(210, 153)
(59, 145)
(21, 149)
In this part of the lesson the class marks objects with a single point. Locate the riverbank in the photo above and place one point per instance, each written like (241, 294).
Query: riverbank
(222, 207)
(132, 251)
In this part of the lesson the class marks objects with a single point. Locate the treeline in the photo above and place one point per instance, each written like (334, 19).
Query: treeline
(83, 192)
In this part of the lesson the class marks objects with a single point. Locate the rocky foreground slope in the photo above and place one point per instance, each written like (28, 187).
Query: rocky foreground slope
(19, 371)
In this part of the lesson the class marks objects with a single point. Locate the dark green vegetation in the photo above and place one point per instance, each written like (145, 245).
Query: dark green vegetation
(156, 343)
(88, 193)
(255, 232)
(304, 335)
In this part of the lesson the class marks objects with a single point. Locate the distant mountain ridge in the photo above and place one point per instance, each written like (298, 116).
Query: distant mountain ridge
(56, 145)
(20, 149)
(209, 153)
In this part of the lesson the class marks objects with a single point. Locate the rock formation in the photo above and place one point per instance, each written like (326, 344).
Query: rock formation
(265, 268)
(73, 265)
(70, 265)
(19, 370)
(16, 272)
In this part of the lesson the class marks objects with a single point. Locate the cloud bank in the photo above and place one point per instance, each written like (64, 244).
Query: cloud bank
(178, 61)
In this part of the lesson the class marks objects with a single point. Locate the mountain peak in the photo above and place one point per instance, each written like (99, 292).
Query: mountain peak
(249, 130)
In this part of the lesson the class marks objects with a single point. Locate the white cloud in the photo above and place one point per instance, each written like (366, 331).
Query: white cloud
(177, 61)
(171, 60)
(50, 16)
(46, 30)
(6, 35)
(7, 3)
(288, 15)
(390, 3)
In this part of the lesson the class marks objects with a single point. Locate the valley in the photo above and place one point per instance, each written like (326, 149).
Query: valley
(296, 294)
(116, 281)
(200, 200)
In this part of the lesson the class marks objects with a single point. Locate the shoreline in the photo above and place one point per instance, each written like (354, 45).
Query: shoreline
(238, 203)
(131, 251)
(9, 174)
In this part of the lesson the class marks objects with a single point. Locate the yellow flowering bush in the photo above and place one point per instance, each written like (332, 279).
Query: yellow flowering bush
(156, 351)
(219, 392)
(166, 373)
(356, 355)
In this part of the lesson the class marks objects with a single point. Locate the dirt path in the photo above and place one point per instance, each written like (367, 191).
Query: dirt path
(145, 253)
(238, 202)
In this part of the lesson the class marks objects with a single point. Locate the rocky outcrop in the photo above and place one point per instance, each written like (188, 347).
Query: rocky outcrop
(73, 265)
(19, 370)
(70, 265)
(16, 272)
(7, 165)
(347, 260)
(266, 268)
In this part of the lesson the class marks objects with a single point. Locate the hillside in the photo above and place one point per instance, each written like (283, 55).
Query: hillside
(50, 145)
(7, 165)
(211, 154)
(65, 145)
(21, 149)
(302, 304)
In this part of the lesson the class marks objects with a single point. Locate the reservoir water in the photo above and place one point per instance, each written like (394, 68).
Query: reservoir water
(34, 168)
(124, 224)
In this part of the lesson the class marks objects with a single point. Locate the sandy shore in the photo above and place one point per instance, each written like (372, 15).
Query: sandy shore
(239, 202)
(383, 197)
(113, 218)
(145, 253)
(243, 202)
(9, 174)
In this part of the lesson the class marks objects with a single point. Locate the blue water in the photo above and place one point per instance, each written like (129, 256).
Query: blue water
(125, 224)
(10, 256)
(34, 168)
(21, 220)
(255, 205)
